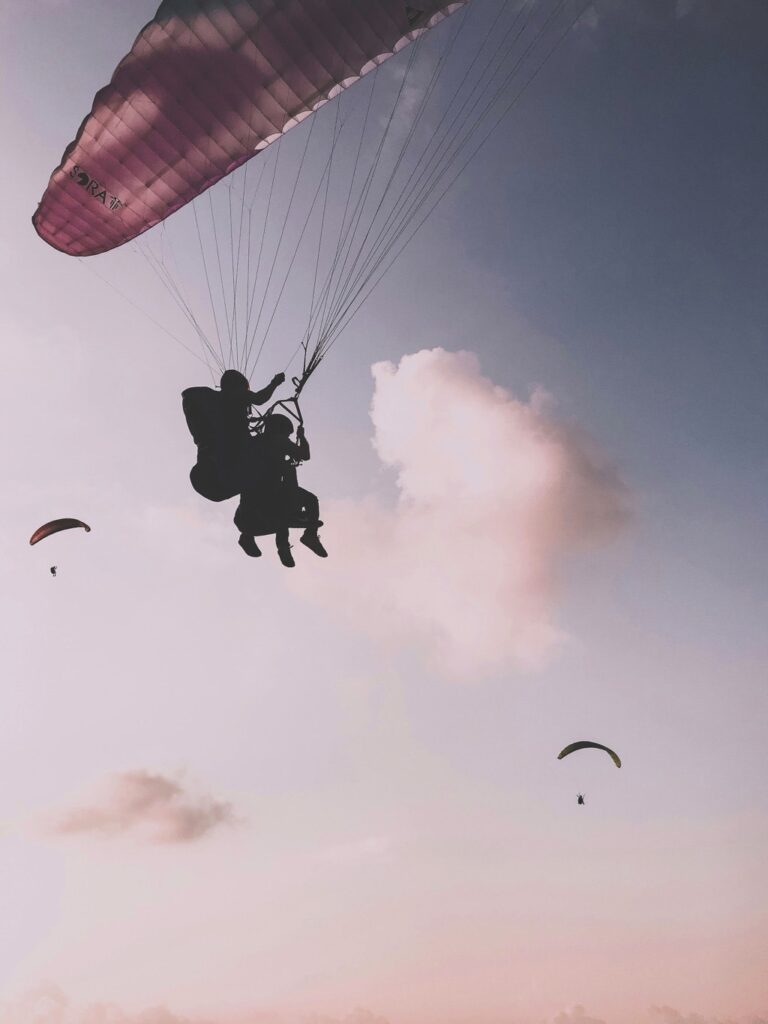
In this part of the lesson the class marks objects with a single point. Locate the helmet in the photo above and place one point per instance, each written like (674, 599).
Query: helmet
(276, 423)
(233, 380)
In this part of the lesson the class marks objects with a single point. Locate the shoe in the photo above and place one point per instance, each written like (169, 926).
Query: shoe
(284, 551)
(249, 545)
(311, 540)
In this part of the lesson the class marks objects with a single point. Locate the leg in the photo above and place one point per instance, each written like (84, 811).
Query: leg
(284, 547)
(309, 504)
(309, 538)
(244, 524)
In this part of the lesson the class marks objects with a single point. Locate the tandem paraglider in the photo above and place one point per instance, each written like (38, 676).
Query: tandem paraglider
(202, 127)
(252, 455)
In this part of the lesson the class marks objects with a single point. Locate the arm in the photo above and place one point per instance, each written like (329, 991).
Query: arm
(300, 449)
(260, 397)
(302, 444)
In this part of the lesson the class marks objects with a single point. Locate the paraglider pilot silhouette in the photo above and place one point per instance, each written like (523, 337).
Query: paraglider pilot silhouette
(260, 466)
(272, 502)
(218, 422)
(587, 745)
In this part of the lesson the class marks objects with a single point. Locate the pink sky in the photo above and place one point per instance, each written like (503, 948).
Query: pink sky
(360, 858)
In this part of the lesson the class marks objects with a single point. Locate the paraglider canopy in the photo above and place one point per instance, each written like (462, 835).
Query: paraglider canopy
(205, 87)
(585, 744)
(56, 526)
(208, 93)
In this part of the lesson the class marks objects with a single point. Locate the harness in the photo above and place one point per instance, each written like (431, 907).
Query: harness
(290, 406)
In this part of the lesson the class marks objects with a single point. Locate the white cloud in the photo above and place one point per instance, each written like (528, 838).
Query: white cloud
(150, 804)
(493, 496)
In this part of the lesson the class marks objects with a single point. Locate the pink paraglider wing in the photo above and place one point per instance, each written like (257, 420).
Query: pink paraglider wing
(206, 86)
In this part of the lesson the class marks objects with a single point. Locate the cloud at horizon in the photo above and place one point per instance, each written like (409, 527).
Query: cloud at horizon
(152, 805)
(577, 1015)
(669, 1015)
(48, 1004)
(494, 495)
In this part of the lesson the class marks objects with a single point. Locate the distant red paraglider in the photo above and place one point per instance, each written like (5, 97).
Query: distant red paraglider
(56, 526)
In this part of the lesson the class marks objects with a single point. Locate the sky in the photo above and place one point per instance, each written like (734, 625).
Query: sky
(240, 794)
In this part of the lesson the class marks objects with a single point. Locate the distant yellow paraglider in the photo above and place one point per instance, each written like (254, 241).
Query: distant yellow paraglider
(585, 744)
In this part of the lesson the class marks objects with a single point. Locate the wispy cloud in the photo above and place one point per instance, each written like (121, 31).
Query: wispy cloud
(685, 7)
(367, 851)
(493, 496)
(47, 1004)
(152, 805)
(638, 12)
(577, 1015)
(669, 1015)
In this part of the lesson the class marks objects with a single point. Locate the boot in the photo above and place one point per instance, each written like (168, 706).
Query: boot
(249, 545)
(284, 551)
(311, 540)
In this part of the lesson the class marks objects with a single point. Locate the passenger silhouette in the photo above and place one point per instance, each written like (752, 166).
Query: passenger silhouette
(218, 422)
(272, 500)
